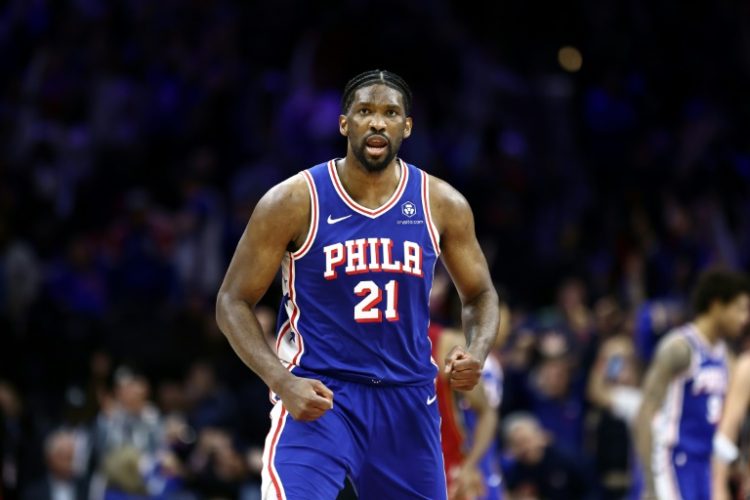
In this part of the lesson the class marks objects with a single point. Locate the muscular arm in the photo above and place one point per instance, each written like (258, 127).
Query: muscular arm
(465, 262)
(280, 220)
(672, 358)
(735, 409)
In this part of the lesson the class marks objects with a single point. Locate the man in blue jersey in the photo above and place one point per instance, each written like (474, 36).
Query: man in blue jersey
(684, 389)
(357, 239)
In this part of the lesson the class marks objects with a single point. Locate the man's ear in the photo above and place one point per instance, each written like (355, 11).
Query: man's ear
(343, 125)
(407, 127)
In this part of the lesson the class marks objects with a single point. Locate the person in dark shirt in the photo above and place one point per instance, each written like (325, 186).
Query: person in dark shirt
(537, 468)
(554, 397)
(60, 481)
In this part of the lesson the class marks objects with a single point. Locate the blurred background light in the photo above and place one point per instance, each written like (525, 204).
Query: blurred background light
(570, 58)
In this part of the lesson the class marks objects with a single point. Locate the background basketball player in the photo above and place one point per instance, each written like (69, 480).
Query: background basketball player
(684, 390)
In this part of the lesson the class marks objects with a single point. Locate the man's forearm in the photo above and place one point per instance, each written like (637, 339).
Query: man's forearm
(644, 446)
(484, 434)
(241, 328)
(480, 319)
(596, 390)
(719, 475)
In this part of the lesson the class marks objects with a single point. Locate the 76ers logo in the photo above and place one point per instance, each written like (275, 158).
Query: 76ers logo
(408, 209)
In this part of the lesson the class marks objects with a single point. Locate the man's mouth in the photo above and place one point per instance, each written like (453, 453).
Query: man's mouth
(376, 145)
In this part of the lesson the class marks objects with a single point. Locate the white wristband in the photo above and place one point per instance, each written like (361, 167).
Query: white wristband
(724, 449)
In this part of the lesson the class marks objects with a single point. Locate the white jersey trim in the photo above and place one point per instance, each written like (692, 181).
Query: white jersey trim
(431, 229)
(314, 218)
(271, 485)
(360, 209)
(285, 347)
(665, 478)
(282, 347)
(715, 352)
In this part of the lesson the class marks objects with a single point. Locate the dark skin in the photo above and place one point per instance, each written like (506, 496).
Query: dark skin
(280, 223)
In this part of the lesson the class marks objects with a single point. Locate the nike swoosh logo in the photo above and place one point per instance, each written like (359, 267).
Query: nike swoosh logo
(431, 400)
(339, 219)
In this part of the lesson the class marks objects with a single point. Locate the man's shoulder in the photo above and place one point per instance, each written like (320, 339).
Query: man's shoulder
(284, 210)
(674, 351)
(292, 191)
(323, 166)
(677, 335)
(443, 196)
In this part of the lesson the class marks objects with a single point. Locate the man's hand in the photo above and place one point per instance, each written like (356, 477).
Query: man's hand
(462, 369)
(467, 483)
(305, 399)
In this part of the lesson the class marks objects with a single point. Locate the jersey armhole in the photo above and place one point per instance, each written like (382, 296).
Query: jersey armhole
(692, 367)
(314, 217)
(431, 229)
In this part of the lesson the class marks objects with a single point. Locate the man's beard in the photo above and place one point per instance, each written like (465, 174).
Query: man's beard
(375, 166)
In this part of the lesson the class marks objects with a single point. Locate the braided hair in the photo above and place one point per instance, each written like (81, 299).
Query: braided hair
(373, 77)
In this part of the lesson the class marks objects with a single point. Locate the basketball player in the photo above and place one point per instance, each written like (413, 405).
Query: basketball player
(357, 239)
(683, 392)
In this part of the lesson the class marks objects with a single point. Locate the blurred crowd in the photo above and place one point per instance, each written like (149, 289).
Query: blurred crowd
(136, 137)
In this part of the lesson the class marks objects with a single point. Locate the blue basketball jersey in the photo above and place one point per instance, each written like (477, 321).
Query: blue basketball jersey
(356, 293)
(693, 403)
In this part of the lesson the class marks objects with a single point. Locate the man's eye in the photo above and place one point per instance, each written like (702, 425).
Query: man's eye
(364, 111)
(391, 112)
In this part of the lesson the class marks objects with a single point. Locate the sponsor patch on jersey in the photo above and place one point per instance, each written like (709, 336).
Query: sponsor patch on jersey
(409, 209)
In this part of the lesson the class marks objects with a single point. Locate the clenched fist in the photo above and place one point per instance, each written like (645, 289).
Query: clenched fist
(305, 399)
(462, 369)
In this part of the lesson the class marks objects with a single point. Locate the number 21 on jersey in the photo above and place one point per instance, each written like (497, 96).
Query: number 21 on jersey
(366, 311)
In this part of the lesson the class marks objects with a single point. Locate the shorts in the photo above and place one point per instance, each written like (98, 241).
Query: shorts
(679, 476)
(385, 438)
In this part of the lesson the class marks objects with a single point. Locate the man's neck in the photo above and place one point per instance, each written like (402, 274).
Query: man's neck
(370, 189)
(707, 329)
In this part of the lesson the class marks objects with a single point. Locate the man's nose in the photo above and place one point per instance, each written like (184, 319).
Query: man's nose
(377, 122)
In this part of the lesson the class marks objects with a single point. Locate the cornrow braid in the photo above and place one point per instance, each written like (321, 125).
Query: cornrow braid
(372, 77)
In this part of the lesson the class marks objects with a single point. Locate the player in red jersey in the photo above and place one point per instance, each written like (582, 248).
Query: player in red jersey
(465, 480)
